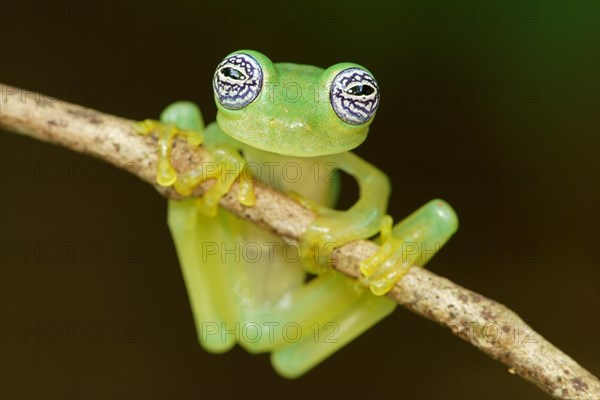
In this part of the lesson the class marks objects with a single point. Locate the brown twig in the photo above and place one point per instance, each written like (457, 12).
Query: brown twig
(486, 324)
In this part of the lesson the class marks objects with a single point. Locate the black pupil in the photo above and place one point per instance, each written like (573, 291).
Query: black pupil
(233, 73)
(361, 90)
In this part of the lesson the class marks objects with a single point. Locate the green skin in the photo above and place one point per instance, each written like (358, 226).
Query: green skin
(292, 116)
(293, 123)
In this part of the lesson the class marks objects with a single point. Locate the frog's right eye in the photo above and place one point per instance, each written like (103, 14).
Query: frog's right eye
(238, 81)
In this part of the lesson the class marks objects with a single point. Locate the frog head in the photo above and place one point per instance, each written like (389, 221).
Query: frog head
(291, 109)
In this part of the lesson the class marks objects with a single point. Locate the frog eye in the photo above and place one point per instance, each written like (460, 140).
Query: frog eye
(238, 81)
(354, 95)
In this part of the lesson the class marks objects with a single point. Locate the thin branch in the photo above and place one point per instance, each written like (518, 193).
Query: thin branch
(486, 324)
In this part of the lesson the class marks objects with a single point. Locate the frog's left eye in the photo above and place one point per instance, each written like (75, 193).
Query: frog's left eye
(238, 81)
(354, 95)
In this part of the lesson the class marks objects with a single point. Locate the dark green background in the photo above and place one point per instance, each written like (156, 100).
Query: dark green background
(494, 109)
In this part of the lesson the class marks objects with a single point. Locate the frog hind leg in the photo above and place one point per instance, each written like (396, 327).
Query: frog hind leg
(269, 276)
(198, 240)
(338, 312)
(232, 285)
(196, 236)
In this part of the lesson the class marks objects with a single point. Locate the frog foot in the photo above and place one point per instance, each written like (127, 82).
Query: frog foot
(317, 253)
(333, 229)
(411, 242)
(224, 167)
(166, 133)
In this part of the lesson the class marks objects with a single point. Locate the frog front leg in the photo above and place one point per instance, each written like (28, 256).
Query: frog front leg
(412, 242)
(225, 165)
(364, 219)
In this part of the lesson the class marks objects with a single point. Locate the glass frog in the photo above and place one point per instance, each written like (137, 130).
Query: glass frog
(291, 126)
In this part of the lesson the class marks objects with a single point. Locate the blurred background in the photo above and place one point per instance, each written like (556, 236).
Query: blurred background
(492, 106)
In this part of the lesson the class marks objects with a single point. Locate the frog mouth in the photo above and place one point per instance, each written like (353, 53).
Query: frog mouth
(287, 144)
(297, 138)
(281, 143)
